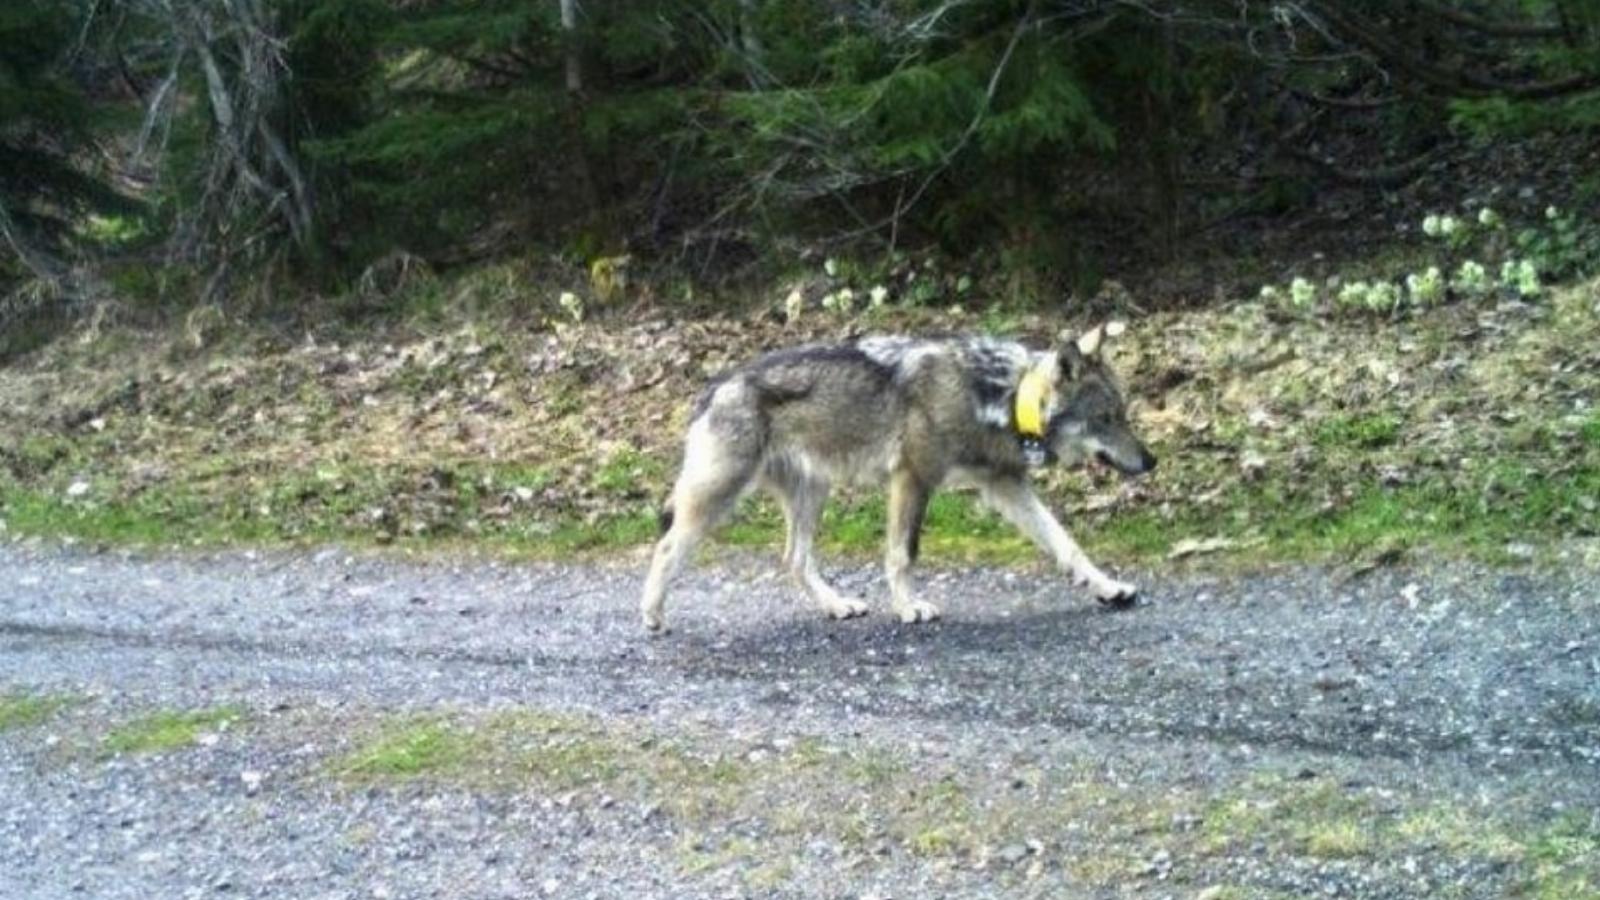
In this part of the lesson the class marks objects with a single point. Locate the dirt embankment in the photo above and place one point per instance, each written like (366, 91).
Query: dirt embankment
(1297, 432)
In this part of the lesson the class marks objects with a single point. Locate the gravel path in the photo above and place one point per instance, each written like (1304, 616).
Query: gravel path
(1409, 733)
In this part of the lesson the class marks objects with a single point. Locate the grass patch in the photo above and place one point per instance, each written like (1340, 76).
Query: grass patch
(169, 730)
(1338, 839)
(1590, 431)
(1565, 860)
(1316, 818)
(1364, 432)
(1321, 820)
(519, 749)
(1270, 520)
(957, 527)
(409, 751)
(18, 710)
(626, 471)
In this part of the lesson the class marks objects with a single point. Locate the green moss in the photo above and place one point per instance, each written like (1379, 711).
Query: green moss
(169, 730)
(410, 750)
(19, 710)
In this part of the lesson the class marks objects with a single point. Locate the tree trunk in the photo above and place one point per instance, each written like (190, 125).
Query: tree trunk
(750, 42)
(569, 29)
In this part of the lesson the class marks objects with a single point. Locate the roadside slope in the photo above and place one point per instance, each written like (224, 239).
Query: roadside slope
(1286, 435)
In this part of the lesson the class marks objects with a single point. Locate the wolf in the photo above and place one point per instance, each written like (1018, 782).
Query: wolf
(915, 414)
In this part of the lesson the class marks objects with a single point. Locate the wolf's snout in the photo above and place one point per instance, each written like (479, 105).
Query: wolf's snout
(1139, 465)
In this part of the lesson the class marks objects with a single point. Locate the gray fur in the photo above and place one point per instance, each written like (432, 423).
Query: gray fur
(914, 413)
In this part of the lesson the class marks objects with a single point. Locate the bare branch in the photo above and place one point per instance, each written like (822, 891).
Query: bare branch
(1490, 27)
(1450, 81)
(1383, 176)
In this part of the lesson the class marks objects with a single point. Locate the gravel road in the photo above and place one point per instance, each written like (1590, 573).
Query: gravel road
(1411, 732)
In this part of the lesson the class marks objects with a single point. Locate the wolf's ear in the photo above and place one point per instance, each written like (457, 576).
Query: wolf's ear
(1089, 342)
(1093, 340)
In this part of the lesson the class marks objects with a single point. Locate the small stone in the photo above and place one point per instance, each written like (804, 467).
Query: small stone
(1011, 854)
(1411, 593)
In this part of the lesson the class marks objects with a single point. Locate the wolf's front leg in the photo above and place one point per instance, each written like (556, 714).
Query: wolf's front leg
(1017, 502)
(908, 502)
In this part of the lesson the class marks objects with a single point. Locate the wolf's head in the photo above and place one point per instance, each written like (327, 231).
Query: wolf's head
(1088, 416)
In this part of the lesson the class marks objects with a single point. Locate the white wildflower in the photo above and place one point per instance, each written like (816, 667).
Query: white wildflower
(1551, 213)
(1449, 226)
(1471, 278)
(1430, 225)
(1425, 289)
(830, 266)
(571, 304)
(1269, 294)
(1528, 279)
(794, 305)
(1353, 294)
(845, 299)
(1302, 292)
(879, 295)
(1488, 218)
(1383, 296)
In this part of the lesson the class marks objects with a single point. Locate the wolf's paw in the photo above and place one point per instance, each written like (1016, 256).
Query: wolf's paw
(844, 608)
(1117, 594)
(654, 621)
(917, 611)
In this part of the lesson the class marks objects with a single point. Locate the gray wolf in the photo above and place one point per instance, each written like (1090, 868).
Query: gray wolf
(914, 413)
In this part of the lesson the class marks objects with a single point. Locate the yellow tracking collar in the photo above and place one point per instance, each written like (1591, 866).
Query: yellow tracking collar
(1032, 394)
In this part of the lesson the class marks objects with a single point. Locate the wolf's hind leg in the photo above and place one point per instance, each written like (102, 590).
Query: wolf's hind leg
(1017, 502)
(908, 503)
(715, 474)
(802, 498)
